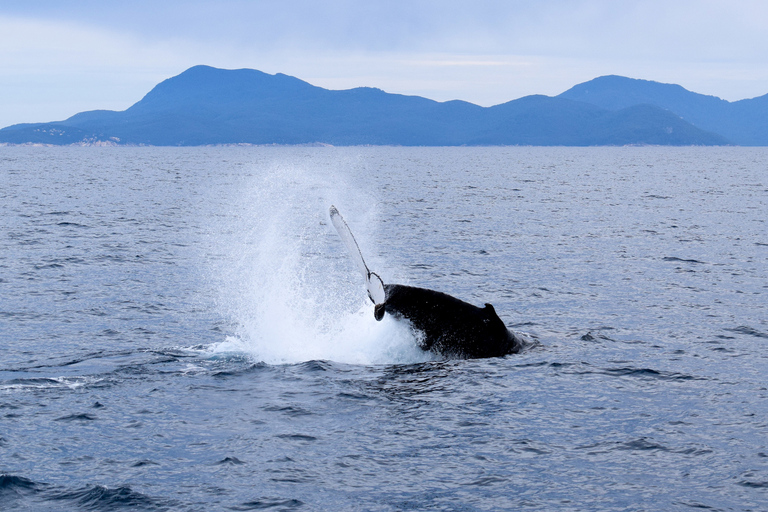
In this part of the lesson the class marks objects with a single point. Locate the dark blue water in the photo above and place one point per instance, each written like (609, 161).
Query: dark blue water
(181, 329)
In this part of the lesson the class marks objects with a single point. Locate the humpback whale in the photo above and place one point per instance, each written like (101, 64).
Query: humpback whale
(445, 325)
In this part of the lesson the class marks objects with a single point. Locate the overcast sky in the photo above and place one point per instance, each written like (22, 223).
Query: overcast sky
(59, 58)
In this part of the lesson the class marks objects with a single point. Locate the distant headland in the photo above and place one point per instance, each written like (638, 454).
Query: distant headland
(206, 106)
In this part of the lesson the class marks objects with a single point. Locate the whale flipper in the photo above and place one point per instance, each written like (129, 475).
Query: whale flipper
(373, 282)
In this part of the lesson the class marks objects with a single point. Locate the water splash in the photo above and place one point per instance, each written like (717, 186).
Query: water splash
(286, 282)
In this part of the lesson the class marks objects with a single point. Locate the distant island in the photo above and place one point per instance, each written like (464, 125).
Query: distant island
(205, 106)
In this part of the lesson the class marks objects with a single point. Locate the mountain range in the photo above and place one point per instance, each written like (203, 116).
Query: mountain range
(205, 105)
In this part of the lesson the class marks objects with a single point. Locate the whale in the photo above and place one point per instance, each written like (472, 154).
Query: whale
(443, 324)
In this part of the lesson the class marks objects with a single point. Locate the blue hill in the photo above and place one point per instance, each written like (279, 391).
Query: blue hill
(742, 122)
(205, 105)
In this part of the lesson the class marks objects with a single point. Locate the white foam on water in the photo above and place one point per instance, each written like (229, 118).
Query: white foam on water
(357, 339)
(50, 383)
(286, 282)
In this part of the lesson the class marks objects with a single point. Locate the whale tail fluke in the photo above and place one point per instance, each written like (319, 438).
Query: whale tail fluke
(373, 282)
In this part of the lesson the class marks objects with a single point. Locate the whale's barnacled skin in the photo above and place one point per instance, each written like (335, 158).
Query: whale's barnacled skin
(450, 326)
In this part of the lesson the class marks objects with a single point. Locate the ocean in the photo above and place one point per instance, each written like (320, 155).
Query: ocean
(182, 329)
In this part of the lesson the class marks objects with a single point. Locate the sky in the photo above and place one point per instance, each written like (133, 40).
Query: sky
(59, 58)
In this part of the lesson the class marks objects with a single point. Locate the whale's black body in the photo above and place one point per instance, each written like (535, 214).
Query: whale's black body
(447, 326)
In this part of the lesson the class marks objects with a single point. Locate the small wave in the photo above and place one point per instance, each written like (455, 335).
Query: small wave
(92, 497)
(642, 444)
(557, 364)
(230, 461)
(695, 504)
(289, 410)
(642, 373)
(750, 331)
(589, 336)
(269, 503)
(317, 366)
(233, 372)
(487, 481)
(192, 369)
(97, 497)
(71, 224)
(12, 484)
(77, 417)
(45, 266)
(296, 437)
(647, 373)
(144, 462)
(47, 383)
(63, 361)
(754, 485)
(17, 490)
(682, 260)
(519, 325)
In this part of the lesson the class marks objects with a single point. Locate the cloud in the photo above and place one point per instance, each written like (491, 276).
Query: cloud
(53, 69)
(556, 28)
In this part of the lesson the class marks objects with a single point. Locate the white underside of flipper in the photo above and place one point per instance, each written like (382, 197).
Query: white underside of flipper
(373, 282)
